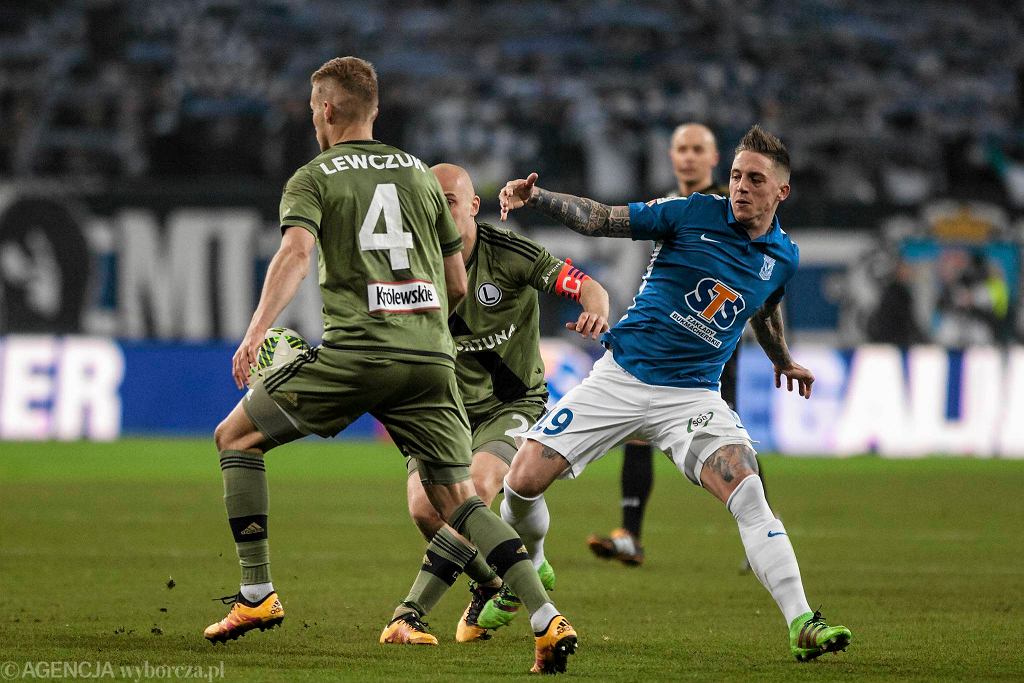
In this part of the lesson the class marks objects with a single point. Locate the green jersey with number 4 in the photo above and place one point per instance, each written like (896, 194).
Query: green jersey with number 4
(382, 227)
(496, 327)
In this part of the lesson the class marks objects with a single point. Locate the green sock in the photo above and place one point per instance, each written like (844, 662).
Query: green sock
(247, 503)
(502, 549)
(444, 560)
(478, 570)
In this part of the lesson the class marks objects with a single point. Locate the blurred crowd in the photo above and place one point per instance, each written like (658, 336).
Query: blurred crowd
(888, 103)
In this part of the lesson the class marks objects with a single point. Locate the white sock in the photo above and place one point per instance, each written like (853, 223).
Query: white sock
(540, 619)
(768, 548)
(255, 592)
(530, 518)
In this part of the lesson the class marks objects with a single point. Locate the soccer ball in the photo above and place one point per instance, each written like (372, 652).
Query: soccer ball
(280, 346)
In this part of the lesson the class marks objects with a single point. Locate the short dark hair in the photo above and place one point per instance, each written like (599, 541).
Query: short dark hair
(358, 81)
(757, 139)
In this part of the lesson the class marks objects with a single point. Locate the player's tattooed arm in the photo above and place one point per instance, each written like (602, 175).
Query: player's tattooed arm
(582, 215)
(770, 333)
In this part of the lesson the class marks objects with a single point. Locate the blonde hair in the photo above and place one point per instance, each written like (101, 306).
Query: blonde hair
(357, 81)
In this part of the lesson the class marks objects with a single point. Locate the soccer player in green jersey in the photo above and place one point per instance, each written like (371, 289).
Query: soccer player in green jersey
(501, 377)
(390, 265)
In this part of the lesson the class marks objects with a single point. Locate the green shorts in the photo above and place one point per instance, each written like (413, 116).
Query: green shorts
(325, 390)
(493, 432)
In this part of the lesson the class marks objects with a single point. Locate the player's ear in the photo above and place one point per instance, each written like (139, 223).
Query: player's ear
(783, 192)
(474, 207)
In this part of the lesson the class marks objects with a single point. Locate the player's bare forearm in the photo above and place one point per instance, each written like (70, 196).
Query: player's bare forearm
(770, 334)
(455, 279)
(287, 269)
(593, 320)
(594, 298)
(582, 215)
(768, 329)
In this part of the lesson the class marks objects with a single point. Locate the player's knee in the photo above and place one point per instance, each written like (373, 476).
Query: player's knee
(488, 477)
(727, 467)
(522, 484)
(487, 487)
(222, 436)
(534, 468)
(425, 517)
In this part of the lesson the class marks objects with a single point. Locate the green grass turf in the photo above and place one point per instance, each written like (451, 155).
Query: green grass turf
(923, 560)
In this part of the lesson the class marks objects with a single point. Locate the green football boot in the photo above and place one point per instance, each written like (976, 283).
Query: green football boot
(502, 608)
(810, 637)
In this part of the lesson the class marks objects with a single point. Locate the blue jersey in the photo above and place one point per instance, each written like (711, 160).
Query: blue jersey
(706, 278)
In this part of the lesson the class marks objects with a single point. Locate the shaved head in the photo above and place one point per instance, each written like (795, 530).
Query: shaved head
(694, 154)
(454, 179)
(696, 133)
(462, 200)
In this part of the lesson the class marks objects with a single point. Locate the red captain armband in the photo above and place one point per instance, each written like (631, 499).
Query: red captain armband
(570, 281)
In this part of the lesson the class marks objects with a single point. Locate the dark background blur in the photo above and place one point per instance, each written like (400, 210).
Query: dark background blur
(904, 122)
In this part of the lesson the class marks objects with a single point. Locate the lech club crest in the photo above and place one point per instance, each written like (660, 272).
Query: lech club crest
(767, 268)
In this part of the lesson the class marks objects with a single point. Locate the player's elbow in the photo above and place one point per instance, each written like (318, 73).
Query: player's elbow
(295, 258)
(457, 290)
(457, 285)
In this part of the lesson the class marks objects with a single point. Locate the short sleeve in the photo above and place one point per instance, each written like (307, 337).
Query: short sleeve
(657, 219)
(301, 203)
(543, 274)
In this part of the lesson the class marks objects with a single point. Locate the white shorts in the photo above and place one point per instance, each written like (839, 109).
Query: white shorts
(612, 406)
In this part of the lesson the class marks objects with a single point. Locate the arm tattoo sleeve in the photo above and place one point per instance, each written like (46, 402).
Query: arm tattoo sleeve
(771, 336)
(583, 215)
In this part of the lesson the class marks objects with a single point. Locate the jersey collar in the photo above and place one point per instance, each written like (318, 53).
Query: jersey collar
(773, 235)
(358, 142)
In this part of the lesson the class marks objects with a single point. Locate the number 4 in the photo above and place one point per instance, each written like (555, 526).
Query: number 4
(394, 239)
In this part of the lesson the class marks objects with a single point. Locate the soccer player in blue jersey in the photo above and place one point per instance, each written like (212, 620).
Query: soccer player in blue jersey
(717, 263)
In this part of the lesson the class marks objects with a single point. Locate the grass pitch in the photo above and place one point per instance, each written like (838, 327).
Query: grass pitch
(923, 560)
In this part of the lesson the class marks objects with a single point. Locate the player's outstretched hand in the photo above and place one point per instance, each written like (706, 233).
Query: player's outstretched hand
(803, 377)
(244, 359)
(589, 325)
(515, 193)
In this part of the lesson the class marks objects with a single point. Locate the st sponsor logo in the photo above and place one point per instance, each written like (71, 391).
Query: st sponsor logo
(715, 302)
(716, 305)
